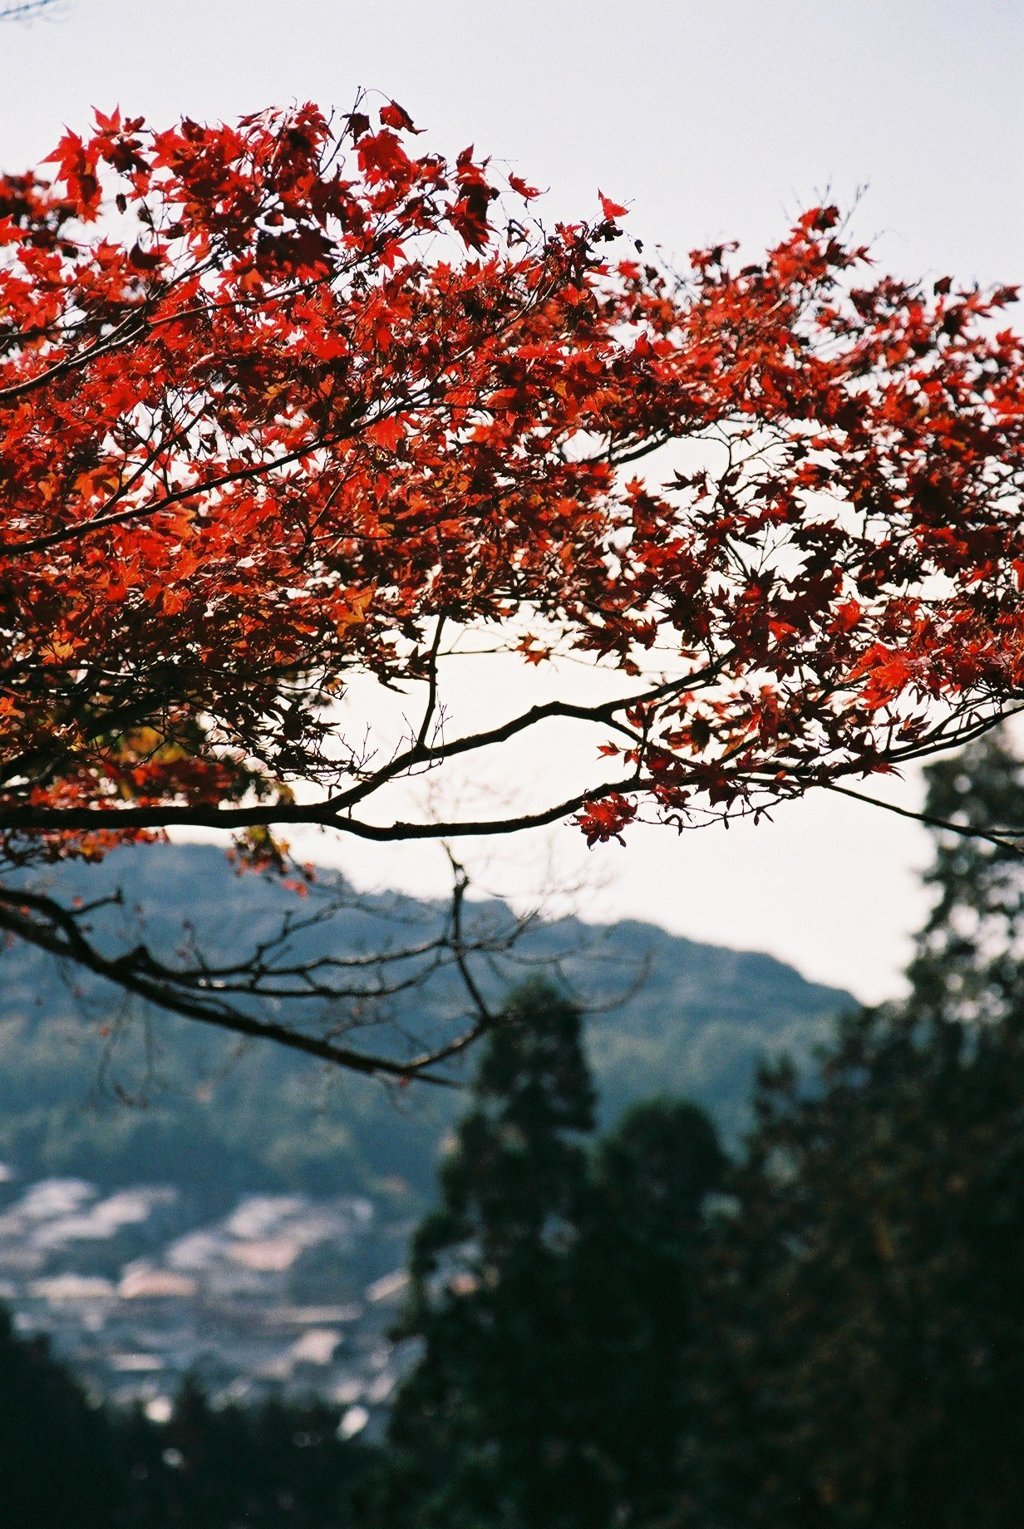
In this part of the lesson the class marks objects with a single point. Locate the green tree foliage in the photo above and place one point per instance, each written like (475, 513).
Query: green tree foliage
(58, 1461)
(635, 1270)
(865, 1307)
(279, 1465)
(480, 1424)
(550, 1297)
(66, 1464)
(969, 963)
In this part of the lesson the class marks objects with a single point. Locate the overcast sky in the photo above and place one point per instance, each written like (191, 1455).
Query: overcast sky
(711, 122)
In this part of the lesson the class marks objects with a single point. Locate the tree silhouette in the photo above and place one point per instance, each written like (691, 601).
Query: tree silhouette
(864, 1313)
(58, 1461)
(551, 1299)
(479, 1427)
(636, 1274)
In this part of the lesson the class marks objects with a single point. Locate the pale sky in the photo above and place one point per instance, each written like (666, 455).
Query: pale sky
(711, 122)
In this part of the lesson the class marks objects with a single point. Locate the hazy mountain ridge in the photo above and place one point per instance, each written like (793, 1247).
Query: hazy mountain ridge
(220, 1120)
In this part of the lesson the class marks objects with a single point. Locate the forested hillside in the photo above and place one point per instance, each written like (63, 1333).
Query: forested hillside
(90, 1086)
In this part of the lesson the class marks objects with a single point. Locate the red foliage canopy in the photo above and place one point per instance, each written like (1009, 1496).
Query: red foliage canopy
(291, 401)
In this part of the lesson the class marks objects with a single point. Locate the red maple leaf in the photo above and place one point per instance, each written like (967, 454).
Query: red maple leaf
(396, 116)
(611, 210)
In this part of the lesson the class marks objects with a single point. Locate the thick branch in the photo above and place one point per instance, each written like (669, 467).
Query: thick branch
(135, 819)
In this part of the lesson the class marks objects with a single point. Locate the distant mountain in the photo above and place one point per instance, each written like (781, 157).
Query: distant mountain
(89, 1086)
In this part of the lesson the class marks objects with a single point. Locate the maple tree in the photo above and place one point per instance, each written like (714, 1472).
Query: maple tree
(293, 403)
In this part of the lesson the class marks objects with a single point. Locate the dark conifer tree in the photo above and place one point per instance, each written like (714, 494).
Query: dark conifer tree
(634, 1277)
(65, 1464)
(480, 1428)
(969, 961)
(551, 1299)
(863, 1346)
(57, 1453)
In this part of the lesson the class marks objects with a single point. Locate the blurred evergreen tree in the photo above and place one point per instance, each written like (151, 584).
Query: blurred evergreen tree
(550, 1298)
(58, 1464)
(635, 1270)
(65, 1464)
(862, 1357)
(479, 1427)
(969, 961)
(279, 1464)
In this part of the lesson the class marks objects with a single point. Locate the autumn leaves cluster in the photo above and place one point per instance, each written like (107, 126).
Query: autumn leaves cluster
(295, 399)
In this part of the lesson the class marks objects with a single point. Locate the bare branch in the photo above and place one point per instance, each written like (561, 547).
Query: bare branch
(221, 995)
(1002, 838)
(25, 10)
